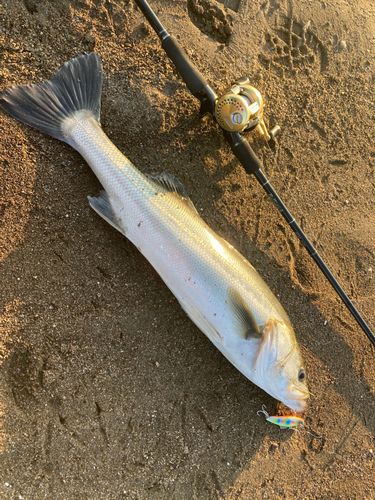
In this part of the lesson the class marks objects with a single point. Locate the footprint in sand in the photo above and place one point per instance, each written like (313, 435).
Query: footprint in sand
(292, 47)
(213, 18)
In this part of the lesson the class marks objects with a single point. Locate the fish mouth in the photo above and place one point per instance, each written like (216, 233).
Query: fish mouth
(297, 397)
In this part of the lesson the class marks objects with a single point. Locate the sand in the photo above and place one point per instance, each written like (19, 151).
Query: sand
(108, 391)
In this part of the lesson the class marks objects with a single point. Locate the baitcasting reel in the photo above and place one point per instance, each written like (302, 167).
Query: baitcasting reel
(241, 109)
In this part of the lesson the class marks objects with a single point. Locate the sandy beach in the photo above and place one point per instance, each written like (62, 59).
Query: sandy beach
(107, 389)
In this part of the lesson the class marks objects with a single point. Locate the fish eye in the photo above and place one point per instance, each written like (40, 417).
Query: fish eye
(301, 375)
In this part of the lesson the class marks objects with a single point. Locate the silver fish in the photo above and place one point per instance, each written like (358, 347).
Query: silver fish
(216, 286)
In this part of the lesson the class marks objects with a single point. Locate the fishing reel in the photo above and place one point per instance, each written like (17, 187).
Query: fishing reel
(241, 110)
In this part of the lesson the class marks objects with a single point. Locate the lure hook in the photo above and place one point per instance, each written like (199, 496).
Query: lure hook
(264, 411)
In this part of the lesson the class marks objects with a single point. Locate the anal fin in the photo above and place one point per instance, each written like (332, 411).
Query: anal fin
(103, 207)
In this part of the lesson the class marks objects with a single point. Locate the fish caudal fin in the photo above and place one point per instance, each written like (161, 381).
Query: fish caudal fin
(76, 86)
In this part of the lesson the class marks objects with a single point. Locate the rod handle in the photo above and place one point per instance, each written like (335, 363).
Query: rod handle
(243, 152)
(190, 74)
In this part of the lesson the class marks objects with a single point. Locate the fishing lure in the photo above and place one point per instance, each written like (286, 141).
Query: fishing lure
(285, 421)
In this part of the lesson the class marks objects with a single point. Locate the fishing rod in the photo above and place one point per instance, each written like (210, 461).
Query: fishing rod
(240, 110)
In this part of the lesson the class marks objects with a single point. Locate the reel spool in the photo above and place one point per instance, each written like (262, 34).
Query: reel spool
(241, 109)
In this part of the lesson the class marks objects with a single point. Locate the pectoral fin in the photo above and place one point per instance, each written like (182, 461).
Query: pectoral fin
(246, 327)
(103, 207)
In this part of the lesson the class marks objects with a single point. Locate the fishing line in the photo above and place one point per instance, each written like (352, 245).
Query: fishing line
(293, 198)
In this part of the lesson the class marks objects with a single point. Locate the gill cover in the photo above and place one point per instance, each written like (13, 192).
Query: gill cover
(278, 365)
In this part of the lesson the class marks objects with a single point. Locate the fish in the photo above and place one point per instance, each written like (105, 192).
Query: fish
(216, 286)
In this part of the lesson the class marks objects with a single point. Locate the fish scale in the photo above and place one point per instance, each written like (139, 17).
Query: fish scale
(216, 286)
(165, 218)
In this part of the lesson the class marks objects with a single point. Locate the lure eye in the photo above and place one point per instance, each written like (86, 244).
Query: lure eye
(301, 375)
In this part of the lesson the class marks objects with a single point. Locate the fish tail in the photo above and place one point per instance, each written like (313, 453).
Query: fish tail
(45, 106)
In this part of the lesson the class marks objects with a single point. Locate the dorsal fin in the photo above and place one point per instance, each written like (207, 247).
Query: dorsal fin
(246, 327)
(173, 185)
